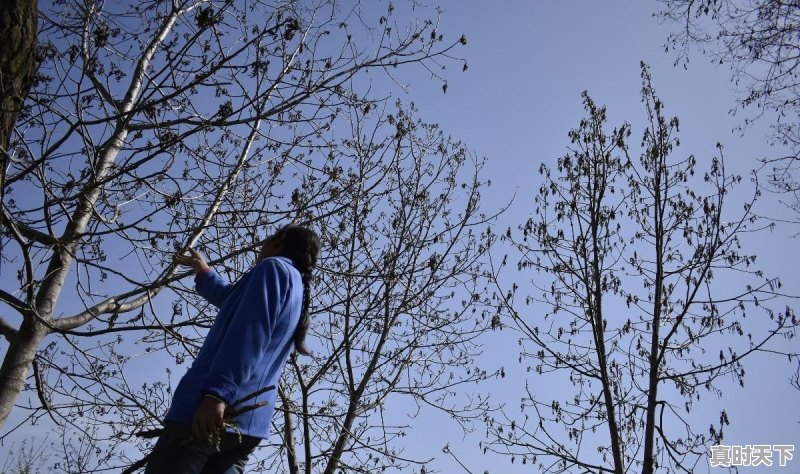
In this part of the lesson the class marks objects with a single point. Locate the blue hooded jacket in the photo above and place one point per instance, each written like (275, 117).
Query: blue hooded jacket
(247, 345)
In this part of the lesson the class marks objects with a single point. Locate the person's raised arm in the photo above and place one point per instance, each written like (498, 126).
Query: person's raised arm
(208, 283)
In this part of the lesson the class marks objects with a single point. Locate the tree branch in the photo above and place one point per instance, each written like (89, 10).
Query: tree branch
(288, 430)
(28, 232)
(12, 301)
(7, 330)
(121, 303)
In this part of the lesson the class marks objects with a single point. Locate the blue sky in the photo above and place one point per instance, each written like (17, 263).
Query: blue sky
(528, 63)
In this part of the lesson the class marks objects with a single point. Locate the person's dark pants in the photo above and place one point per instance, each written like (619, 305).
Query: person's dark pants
(176, 453)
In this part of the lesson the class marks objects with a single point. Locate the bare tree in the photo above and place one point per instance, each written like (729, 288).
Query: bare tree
(759, 40)
(401, 299)
(644, 305)
(26, 458)
(153, 126)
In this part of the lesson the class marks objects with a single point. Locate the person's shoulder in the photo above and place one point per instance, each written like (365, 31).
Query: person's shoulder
(280, 265)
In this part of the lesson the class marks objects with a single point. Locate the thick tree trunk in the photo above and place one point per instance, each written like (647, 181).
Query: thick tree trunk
(18, 40)
(17, 361)
(17, 67)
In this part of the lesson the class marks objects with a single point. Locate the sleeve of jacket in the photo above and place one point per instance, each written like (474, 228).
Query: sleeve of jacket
(250, 331)
(211, 286)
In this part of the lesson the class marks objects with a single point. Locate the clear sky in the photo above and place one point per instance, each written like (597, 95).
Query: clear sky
(528, 63)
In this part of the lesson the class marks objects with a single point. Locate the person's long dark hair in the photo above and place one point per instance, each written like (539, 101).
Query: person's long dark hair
(301, 245)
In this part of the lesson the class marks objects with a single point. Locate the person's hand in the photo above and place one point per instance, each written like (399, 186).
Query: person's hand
(208, 423)
(194, 260)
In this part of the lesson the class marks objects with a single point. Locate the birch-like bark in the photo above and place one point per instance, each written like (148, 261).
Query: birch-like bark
(39, 318)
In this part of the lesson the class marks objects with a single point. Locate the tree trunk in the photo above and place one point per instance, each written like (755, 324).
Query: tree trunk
(18, 39)
(17, 67)
(660, 197)
(16, 363)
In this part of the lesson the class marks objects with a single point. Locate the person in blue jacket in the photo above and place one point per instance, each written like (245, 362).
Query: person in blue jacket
(261, 318)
